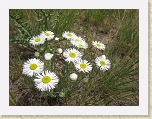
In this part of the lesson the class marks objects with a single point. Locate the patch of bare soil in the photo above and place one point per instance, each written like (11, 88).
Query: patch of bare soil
(98, 34)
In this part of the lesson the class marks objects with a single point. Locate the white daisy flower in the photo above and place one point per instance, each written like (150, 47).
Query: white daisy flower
(37, 40)
(32, 67)
(103, 63)
(46, 81)
(68, 35)
(48, 34)
(76, 40)
(98, 45)
(48, 56)
(79, 42)
(83, 65)
(73, 76)
(72, 54)
(82, 44)
(59, 50)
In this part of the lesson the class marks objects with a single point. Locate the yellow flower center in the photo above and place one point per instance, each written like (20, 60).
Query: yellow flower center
(46, 79)
(102, 63)
(33, 66)
(80, 46)
(83, 66)
(98, 45)
(77, 40)
(72, 54)
(47, 34)
(69, 34)
(37, 40)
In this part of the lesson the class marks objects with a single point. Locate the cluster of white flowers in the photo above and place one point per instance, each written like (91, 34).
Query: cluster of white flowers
(46, 80)
(40, 39)
(75, 40)
(73, 55)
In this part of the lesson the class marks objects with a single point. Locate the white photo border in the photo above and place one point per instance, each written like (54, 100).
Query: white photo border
(142, 109)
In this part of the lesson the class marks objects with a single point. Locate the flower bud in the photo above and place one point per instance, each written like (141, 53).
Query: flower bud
(59, 50)
(42, 49)
(73, 76)
(56, 38)
(48, 56)
(85, 80)
(36, 54)
(61, 94)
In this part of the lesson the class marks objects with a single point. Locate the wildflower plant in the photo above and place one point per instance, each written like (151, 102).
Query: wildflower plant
(46, 75)
(77, 67)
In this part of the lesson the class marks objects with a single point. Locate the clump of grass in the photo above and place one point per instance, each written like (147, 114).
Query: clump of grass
(116, 86)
